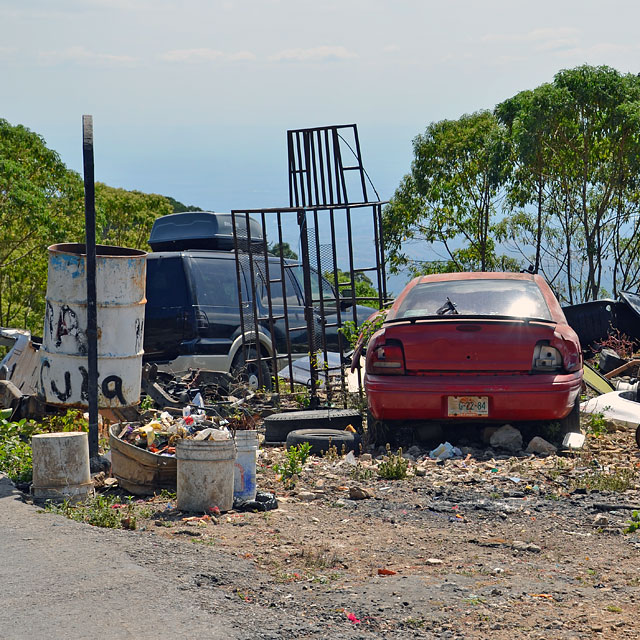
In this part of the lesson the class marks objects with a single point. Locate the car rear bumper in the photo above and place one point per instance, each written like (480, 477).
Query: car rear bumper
(510, 397)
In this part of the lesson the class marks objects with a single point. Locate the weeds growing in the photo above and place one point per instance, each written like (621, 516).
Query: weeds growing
(596, 425)
(619, 480)
(294, 460)
(394, 467)
(101, 511)
(15, 441)
(634, 523)
(333, 454)
(360, 472)
(15, 449)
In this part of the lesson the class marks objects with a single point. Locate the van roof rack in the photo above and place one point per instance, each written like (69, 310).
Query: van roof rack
(202, 230)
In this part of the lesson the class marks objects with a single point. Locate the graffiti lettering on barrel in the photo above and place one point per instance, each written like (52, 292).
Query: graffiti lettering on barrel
(48, 321)
(84, 387)
(63, 396)
(44, 364)
(68, 325)
(112, 388)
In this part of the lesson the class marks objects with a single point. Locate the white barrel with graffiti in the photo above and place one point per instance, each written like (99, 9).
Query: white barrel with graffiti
(120, 288)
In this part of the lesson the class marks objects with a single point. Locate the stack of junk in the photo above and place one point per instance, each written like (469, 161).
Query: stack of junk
(208, 464)
(208, 460)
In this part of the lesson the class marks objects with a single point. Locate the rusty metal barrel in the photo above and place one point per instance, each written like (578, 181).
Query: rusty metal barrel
(120, 283)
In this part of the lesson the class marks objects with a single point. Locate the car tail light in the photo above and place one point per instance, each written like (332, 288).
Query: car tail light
(386, 358)
(202, 321)
(546, 358)
(570, 353)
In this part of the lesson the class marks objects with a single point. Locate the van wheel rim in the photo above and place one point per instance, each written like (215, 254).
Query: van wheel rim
(253, 381)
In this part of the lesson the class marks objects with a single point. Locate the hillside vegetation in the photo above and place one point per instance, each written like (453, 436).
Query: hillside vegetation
(42, 203)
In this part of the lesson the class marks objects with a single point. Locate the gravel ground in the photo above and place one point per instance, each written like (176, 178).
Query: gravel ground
(488, 545)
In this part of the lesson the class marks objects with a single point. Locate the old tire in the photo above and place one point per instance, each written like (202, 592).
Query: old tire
(279, 425)
(250, 373)
(321, 439)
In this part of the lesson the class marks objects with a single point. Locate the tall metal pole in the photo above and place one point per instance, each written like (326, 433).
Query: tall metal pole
(90, 247)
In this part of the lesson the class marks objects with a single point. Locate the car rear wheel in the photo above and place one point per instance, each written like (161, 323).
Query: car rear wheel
(571, 423)
(250, 371)
(378, 431)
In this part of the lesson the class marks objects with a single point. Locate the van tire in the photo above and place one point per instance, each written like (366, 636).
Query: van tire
(249, 373)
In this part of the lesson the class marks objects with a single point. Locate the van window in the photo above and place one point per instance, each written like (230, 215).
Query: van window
(166, 283)
(215, 282)
(328, 293)
(277, 297)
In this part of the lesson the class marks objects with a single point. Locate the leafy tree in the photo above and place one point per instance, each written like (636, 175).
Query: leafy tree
(40, 204)
(451, 197)
(287, 251)
(178, 207)
(553, 176)
(576, 147)
(124, 218)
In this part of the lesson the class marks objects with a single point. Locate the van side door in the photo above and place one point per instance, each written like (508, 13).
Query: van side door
(217, 305)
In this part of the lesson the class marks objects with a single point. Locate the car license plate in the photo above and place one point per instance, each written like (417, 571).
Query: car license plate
(469, 406)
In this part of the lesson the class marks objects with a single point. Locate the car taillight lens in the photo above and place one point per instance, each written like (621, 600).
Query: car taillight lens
(386, 358)
(202, 321)
(546, 358)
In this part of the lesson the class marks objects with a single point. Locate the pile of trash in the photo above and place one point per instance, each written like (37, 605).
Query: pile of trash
(160, 432)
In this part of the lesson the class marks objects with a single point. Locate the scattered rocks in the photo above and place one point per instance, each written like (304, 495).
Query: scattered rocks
(507, 438)
(360, 493)
(99, 479)
(600, 520)
(415, 451)
(541, 446)
(519, 545)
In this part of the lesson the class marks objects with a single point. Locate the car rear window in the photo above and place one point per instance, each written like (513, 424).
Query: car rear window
(514, 298)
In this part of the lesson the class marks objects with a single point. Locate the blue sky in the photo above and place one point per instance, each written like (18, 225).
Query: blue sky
(192, 99)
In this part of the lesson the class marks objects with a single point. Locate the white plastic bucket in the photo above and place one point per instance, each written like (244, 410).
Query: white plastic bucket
(244, 480)
(205, 474)
(61, 466)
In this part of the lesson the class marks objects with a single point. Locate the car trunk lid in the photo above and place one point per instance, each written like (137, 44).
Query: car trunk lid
(469, 345)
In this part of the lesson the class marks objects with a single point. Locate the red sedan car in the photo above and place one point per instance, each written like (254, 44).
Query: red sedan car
(490, 347)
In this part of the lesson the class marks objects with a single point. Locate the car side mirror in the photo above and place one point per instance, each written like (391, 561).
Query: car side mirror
(346, 298)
